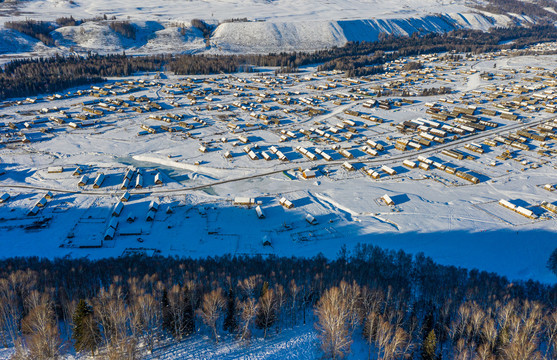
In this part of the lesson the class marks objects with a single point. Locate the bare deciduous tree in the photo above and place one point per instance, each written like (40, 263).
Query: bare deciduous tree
(146, 311)
(280, 304)
(525, 331)
(352, 294)
(551, 334)
(333, 316)
(267, 311)
(382, 337)
(248, 285)
(211, 308)
(14, 289)
(41, 328)
(248, 310)
(115, 318)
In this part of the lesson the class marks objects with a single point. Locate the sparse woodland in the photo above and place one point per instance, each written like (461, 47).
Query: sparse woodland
(124, 28)
(401, 306)
(535, 9)
(39, 30)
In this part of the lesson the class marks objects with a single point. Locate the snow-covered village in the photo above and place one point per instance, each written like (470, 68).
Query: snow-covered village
(271, 188)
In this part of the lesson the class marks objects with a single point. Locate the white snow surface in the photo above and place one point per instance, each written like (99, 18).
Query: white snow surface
(272, 26)
(299, 343)
(452, 221)
(220, 10)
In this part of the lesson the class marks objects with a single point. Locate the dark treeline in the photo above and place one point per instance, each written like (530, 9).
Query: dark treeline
(22, 78)
(124, 28)
(402, 306)
(534, 9)
(359, 55)
(235, 20)
(207, 64)
(205, 28)
(27, 77)
(67, 21)
(39, 30)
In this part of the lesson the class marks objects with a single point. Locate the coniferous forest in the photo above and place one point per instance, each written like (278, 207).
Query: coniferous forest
(28, 77)
(401, 306)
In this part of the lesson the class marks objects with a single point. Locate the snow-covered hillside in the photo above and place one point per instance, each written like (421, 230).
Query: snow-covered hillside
(311, 35)
(220, 10)
(265, 26)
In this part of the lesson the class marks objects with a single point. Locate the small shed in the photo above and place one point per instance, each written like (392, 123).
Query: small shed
(387, 199)
(125, 184)
(125, 197)
(388, 170)
(118, 209)
(549, 207)
(113, 223)
(286, 203)
(5, 197)
(130, 218)
(259, 212)
(48, 195)
(129, 174)
(41, 203)
(409, 164)
(242, 200)
(158, 178)
(98, 181)
(153, 205)
(139, 181)
(83, 181)
(308, 174)
(150, 215)
(55, 169)
(311, 219)
(109, 234)
(348, 166)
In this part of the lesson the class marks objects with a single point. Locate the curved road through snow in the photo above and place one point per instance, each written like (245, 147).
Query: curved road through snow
(382, 160)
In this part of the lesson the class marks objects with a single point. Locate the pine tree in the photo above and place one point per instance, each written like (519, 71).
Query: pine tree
(189, 315)
(264, 288)
(167, 324)
(230, 321)
(429, 345)
(86, 331)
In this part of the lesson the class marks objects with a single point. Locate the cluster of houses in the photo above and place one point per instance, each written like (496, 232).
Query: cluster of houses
(322, 118)
(133, 178)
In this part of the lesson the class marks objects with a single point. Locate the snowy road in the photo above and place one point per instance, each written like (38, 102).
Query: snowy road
(303, 164)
